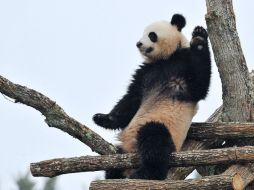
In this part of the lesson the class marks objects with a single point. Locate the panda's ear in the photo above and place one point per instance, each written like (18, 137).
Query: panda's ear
(179, 21)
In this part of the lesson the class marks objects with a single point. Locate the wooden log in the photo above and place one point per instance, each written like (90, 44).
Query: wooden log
(54, 167)
(55, 115)
(225, 182)
(220, 130)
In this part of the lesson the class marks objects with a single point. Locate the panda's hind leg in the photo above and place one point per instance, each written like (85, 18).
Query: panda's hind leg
(154, 146)
(115, 173)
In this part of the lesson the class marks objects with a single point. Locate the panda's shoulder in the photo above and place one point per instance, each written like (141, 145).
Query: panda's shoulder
(182, 51)
(144, 69)
(179, 54)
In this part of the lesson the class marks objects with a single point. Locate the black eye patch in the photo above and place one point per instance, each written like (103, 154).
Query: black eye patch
(153, 36)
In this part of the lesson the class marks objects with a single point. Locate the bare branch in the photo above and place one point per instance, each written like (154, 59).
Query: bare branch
(54, 167)
(55, 116)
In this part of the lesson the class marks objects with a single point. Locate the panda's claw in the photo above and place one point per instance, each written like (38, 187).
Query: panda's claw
(199, 31)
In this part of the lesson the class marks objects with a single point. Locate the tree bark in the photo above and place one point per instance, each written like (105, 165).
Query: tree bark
(54, 167)
(225, 182)
(55, 116)
(233, 70)
(230, 60)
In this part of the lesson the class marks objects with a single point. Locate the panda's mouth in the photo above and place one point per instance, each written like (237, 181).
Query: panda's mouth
(149, 50)
(146, 51)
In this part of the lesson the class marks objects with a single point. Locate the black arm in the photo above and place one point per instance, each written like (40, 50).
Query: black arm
(200, 65)
(125, 109)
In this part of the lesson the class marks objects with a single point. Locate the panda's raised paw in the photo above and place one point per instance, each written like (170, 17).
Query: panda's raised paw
(199, 31)
(199, 38)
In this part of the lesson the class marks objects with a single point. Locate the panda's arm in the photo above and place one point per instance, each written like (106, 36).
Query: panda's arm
(122, 113)
(200, 64)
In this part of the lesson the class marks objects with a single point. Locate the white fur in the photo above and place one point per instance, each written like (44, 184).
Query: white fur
(169, 38)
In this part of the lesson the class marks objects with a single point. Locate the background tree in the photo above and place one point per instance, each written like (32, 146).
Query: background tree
(24, 182)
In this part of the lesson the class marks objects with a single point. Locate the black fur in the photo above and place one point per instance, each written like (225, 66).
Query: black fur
(179, 21)
(154, 146)
(125, 109)
(192, 67)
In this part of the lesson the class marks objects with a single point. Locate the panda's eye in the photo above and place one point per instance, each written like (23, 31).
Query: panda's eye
(153, 36)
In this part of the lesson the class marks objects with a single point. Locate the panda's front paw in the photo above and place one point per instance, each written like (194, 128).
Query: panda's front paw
(103, 120)
(199, 38)
(199, 31)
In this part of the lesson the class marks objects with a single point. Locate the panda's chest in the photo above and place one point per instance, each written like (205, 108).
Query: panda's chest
(176, 84)
(170, 83)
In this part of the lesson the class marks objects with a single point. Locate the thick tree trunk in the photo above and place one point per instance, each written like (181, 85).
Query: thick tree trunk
(230, 60)
(233, 70)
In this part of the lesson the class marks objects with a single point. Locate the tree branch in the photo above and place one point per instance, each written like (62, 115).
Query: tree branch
(55, 115)
(54, 167)
(226, 182)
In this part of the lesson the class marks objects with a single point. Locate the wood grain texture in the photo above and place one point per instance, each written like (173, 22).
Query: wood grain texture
(54, 167)
(223, 182)
(55, 115)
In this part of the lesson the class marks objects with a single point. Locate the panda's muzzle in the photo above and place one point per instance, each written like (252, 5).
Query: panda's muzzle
(143, 49)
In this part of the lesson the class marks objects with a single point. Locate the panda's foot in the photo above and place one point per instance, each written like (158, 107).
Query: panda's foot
(114, 174)
(199, 31)
(150, 174)
(103, 120)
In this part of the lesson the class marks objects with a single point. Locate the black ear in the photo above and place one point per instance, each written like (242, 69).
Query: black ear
(179, 21)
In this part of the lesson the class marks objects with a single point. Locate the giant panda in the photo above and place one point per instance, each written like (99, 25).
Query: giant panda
(156, 112)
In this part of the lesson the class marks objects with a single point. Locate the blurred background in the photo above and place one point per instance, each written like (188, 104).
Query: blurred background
(81, 54)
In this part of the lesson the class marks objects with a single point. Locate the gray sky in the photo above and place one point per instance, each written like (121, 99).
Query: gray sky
(82, 55)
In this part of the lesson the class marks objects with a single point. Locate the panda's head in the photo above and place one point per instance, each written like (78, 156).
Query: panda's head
(162, 38)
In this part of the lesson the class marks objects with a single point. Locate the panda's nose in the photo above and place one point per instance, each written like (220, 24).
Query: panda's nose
(139, 44)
